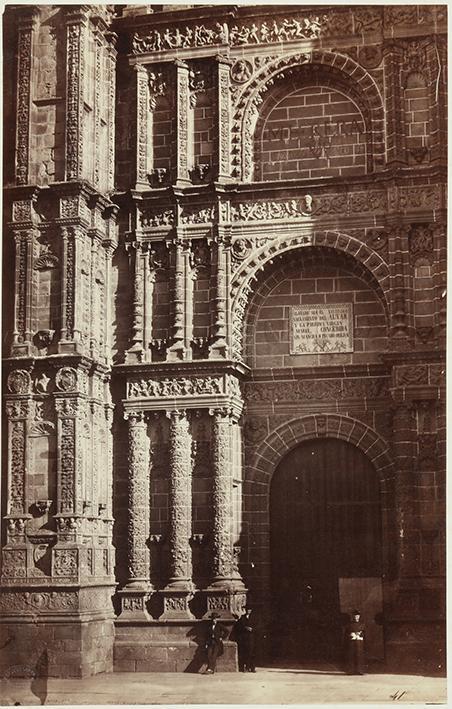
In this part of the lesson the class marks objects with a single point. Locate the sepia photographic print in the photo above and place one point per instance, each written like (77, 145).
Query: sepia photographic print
(224, 345)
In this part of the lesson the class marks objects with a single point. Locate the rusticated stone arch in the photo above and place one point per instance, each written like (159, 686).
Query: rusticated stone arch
(248, 102)
(264, 460)
(251, 268)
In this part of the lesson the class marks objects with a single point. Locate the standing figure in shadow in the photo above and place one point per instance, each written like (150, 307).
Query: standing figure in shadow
(215, 635)
(354, 635)
(244, 632)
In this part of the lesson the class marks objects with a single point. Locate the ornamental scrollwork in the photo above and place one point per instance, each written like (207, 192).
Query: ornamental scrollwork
(421, 244)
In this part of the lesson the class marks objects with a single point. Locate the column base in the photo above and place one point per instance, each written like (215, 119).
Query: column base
(226, 602)
(133, 603)
(176, 604)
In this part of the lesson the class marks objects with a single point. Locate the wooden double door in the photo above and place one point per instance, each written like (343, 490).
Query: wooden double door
(325, 537)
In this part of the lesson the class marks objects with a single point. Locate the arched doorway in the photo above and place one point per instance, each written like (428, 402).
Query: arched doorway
(326, 546)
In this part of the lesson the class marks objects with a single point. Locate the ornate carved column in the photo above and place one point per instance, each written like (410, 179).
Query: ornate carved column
(225, 594)
(24, 52)
(182, 96)
(223, 158)
(134, 594)
(75, 28)
(71, 307)
(219, 346)
(142, 111)
(136, 350)
(178, 591)
(179, 346)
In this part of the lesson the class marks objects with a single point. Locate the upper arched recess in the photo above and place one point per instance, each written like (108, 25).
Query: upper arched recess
(308, 116)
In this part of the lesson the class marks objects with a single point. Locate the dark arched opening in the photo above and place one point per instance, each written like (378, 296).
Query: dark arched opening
(326, 550)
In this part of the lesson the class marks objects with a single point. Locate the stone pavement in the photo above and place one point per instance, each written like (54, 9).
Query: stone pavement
(267, 686)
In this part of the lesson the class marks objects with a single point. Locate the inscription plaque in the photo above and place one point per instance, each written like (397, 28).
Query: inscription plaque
(317, 329)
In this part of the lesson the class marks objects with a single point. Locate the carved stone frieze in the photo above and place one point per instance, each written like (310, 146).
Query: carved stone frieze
(316, 390)
(157, 217)
(164, 388)
(38, 601)
(421, 198)
(198, 215)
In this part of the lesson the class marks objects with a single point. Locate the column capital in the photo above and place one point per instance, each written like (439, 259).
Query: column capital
(134, 417)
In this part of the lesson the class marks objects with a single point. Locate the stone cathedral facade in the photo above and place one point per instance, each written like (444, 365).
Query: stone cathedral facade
(224, 332)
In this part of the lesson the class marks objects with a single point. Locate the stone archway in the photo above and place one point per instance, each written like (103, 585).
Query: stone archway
(262, 461)
(247, 105)
(254, 262)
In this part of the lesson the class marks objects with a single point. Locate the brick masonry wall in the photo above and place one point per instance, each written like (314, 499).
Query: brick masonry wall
(162, 133)
(299, 281)
(313, 132)
(204, 128)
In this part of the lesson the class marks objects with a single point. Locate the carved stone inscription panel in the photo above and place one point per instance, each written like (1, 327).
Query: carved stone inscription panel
(321, 328)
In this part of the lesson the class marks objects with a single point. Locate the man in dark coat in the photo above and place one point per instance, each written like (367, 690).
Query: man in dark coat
(355, 645)
(215, 635)
(244, 630)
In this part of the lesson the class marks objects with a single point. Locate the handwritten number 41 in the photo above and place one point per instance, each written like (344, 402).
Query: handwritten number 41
(397, 695)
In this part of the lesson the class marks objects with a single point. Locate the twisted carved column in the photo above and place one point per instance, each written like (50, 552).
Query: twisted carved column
(178, 591)
(134, 595)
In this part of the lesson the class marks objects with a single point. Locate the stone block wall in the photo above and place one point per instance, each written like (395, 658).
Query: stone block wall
(313, 132)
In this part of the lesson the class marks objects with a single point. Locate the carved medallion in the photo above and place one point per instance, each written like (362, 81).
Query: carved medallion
(19, 382)
(66, 379)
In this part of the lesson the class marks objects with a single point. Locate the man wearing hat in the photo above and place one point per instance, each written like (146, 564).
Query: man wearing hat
(355, 645)
(215, 635)
(244, 630)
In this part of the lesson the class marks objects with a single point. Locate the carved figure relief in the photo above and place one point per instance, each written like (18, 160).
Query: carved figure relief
(174, 387)
(241, 71)
(421, 244)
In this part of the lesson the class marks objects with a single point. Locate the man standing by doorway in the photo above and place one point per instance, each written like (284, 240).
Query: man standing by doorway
(355, 645)
(215, 635)
(245, 641)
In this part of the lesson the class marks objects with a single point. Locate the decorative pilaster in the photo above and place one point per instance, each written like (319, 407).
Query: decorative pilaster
(223, 119)
(399, 306)
(219, 346)
(440, 280)
(24, 52)
(182, 102)
(142, 111)
(136, 350)
(404, 449)
(75, 49)
(393, 57)
(179, 589)
(134, 594)
(24, 243)
(179, 349)
(111, 39)
(71, 315)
